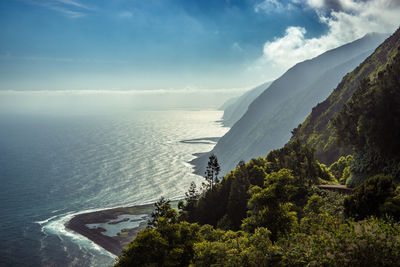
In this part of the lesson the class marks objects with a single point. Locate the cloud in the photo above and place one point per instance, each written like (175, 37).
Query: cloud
(237, 48)
(268, 6)
(294, 47)
(69, 8)
(326, 4)
(74, 3)
(346, 20)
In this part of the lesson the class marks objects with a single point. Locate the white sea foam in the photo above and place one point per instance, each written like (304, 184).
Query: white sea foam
(47, 220)
(56, 225)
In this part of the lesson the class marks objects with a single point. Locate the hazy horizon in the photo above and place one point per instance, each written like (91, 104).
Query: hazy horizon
(174, 53)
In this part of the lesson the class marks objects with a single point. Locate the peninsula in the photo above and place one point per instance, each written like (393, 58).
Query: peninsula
(112, 229)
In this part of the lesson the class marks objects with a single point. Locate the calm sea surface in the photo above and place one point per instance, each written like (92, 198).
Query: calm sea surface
(53, 166)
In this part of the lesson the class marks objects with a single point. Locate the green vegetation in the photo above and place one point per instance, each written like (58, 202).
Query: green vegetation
(372, 242)
(370, 124)
(212, 172)
(340, 169)
(318, 129)
(376, 196)
(226, 204)
(272, 235)
(271, 212)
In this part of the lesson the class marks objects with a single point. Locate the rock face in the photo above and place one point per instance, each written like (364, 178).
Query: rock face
(235, 108)
(268, 122)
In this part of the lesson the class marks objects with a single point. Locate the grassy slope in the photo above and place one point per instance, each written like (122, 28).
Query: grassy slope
(317, 130)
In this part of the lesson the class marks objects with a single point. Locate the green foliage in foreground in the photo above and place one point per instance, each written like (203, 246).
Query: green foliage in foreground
(376, 196)
(269, 212)
(319, 239)
(288, 223)
(372, 242)
(225, 205)
(166, 242)
(270, 206)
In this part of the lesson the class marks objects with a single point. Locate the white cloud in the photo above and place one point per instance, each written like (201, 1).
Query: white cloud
(347, 20)
(74, 3)
(294, 47)
(69, 8)
(269, 5)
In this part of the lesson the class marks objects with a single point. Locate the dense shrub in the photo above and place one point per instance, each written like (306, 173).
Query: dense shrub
(368, 198)
(372, 242)
(341, 168)
(239, 249)
(225, 205)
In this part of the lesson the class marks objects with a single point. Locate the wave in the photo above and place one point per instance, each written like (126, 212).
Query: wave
(46, 221)
(56, 225)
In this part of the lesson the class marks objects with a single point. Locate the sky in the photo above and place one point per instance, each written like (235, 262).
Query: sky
(175, 46)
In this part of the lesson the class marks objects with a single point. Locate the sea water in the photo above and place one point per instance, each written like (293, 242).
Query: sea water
(56, 165)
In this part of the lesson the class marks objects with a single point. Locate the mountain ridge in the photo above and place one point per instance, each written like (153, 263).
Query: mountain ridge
(317, 129)
(235, 108)
(254, 135)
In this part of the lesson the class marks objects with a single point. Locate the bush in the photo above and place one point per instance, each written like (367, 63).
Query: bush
(341, 168)
(270, 207)
(368, 198)
(238, 249)
(372, 242)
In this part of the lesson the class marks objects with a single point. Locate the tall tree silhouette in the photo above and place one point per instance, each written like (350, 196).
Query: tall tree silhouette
(212, 171)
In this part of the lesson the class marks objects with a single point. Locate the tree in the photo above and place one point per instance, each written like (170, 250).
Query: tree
(370, 123)
(188, 207)
(270, 207)
(369, 198)
(162, 208)
(169, 243)
(147, 249)
(212, 171)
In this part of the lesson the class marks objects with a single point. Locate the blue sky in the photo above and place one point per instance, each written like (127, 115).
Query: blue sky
(170, 44)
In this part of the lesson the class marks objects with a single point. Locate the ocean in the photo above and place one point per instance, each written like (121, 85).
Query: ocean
(55, 165)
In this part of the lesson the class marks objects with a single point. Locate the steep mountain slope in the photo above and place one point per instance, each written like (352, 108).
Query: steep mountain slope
(229, 102)
(234, 110)
(318, 130)
(269, 119)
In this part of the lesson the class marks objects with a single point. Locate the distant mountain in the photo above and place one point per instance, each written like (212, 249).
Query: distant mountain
(228, 102)
(271, 116)
(318, 130)
(235, 108)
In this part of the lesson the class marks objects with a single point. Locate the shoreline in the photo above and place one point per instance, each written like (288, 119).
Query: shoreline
(110, 217)
(199, 161)
(114, 244)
